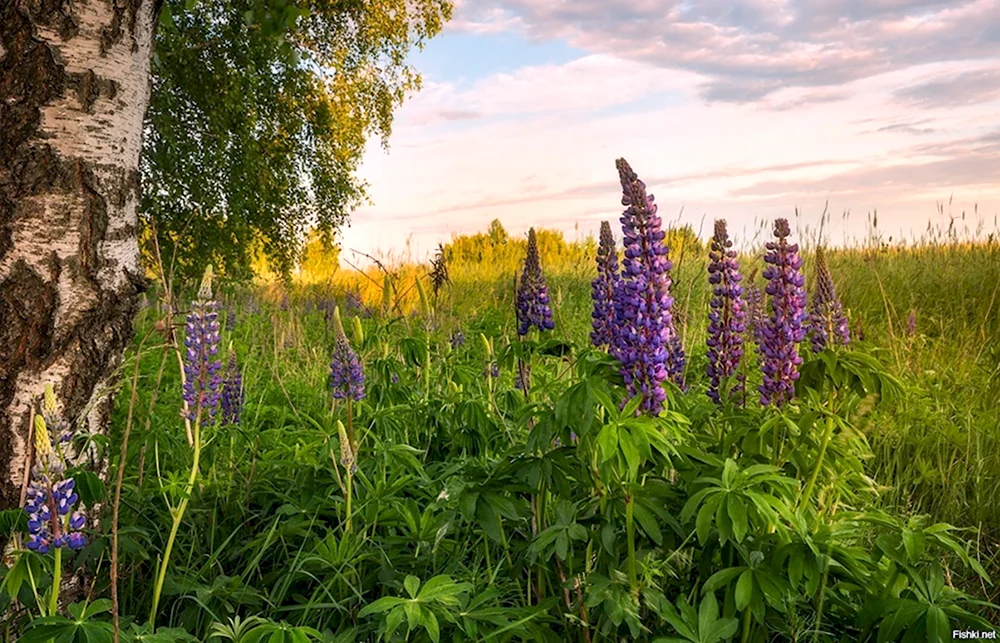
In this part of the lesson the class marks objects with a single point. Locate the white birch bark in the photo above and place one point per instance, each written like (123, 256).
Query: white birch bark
(74, 86)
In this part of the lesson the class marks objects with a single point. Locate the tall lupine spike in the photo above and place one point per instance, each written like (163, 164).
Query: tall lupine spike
(643, 302)
(50, 499)
(347, 378)
(532, 293)
(603, 291)
(232, 399)
(783, 330)
(827, 322)
(726, 317)
(202, 370)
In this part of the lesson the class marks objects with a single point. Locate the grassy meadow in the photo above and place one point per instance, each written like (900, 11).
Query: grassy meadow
(479, 512)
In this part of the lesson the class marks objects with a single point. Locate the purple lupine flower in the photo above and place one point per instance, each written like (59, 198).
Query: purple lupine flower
(783, 330)
(347, 378)
(603, 290)
(50, 502)
(202, 371)
(676, 361)
(492, 370)
(827, 322)
(353, 302)
(726, 317)
(457, 339)
(232, 398)
(532, 293)
(645, 341)
(911, 323)
(755, 311)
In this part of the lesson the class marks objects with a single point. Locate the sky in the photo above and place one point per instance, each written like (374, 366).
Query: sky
(744, 110)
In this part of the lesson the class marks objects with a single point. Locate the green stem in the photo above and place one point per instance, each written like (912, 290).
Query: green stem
(56, 581)
(630, 532)
(350, 479)
(746, 625)
(811, 484)
(178, 515)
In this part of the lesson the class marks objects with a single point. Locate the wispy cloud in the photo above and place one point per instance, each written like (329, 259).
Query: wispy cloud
(743, 110)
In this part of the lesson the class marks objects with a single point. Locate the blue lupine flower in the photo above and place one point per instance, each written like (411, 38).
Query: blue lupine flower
(646, 339)
(347, 378)
(202, 370)
(232, 399)
(532, 293)
(827, 322)
(51, 498)
(726, 317)
(783, 330)
(457, 339)
(603, 290)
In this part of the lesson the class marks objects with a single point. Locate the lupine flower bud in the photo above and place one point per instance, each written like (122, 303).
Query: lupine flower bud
(203, 372)
(645, 339)
(827, 322)
(232, 392)
(51, 499)
(358, 330)
(347, 459)
(726, 317)
(532, 293)
(783, 330)
(347, 379)
(603, 290)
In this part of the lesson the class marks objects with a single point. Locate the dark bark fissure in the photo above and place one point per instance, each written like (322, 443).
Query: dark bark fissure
(32, 76)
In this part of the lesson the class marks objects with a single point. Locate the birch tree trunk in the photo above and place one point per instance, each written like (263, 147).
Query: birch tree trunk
(74, 86)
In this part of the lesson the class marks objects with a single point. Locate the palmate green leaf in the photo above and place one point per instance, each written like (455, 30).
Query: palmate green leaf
(443, 589)
(69, 630)
(647, 522)
(737, 511)
(411, 584)
(626, 441)
(703, 524)
(722, 578)
(380, 605)
(607, 441)
(744, 590)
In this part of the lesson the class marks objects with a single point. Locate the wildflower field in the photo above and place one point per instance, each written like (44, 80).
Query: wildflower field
(640, 437)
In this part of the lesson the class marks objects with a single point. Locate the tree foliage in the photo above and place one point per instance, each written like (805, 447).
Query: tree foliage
(259, 115)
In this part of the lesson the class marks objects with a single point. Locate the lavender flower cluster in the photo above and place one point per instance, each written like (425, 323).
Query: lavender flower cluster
(533, 294)
(347, 378)
(827, 322)
(603, 290)
(202, 371)
(646, 344)
(726, 318)
(232, 398)
(53, 519)
(783, 330)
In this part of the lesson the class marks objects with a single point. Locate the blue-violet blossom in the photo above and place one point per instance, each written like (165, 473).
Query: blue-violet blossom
(532, 293)
(643, 303)
(726, 317)
(783, 330)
